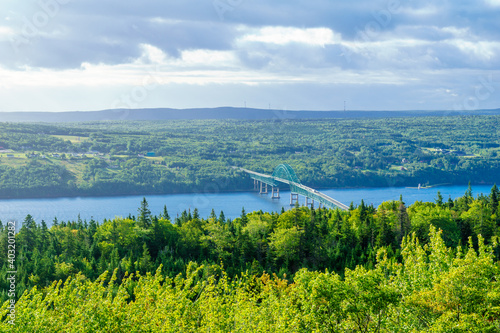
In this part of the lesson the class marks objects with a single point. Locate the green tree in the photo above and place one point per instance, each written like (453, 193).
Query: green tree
(284, 244)
(403, 221)
(439, 199)
(144, 217)
(494, 197)
(165, 213)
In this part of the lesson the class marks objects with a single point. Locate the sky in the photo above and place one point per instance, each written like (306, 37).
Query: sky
(82, 55)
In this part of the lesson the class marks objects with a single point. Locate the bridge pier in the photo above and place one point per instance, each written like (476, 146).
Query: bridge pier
(284, 174)
(309, 203)
(275, 194)
(263, 188)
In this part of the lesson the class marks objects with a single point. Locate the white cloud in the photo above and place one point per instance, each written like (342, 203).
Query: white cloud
(207, 58)
(185, 44)
(494, 3)
(481, 50)
(152, 54)
(166, 21)
(425, 11)
(6, 33)
(286, 35)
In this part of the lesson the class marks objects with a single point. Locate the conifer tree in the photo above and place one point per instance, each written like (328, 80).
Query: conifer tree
(196, 214)
(439, 199)
(165, 213)
(212, 215)
(222, 217)
(28, 234)
(244, 218)
(494, 196)
(144, 217)
(403, 220)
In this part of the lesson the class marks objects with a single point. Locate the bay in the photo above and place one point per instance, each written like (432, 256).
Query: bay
(100, 208)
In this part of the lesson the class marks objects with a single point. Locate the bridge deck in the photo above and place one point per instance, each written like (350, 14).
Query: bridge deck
(296, 188)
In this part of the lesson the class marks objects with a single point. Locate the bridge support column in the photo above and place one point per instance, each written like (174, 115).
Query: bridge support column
(309, 202)
(275, 194)
(255, 184)
(263, 188)
(294, 197)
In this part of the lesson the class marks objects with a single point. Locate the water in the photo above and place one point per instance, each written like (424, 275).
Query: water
(99, 208)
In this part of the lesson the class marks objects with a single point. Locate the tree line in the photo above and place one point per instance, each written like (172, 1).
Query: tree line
(187, 155)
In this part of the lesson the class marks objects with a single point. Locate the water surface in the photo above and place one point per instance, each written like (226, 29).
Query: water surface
(100, 208)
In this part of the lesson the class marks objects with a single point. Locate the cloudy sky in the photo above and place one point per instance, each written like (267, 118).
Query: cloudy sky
(58, 55)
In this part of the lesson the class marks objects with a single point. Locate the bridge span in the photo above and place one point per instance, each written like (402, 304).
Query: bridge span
(286, 175)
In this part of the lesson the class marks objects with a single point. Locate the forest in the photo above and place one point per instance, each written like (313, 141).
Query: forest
(145, 157)
(426, 267)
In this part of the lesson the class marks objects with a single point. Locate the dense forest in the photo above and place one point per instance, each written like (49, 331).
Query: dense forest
(144, 157)
(428, 267)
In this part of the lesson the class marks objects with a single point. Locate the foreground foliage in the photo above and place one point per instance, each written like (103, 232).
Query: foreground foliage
(280, 243)
(434, 289)
(365, 269)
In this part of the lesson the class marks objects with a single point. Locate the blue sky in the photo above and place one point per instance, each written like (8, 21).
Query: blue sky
(58, 55)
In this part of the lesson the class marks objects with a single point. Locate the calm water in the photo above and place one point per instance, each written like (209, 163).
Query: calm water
(231, 203)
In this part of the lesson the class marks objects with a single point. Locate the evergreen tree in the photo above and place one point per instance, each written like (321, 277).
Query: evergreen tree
(144, 217)
(244, 218)
(182, 219)
(80, 222)
(92, 229)
(403, 220)
(27, 234)
(450, 202)
(212, 216)
(439, 199)
(165, 213)
(196, 214)
(158, 238)
(468, 198)
(44, 236)
(145, 262)
(494, 197)
(222, 217)
(362, 210)
(114, 260)
(468, 193)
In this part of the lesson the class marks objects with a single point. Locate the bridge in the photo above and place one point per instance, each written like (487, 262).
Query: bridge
(285, 174)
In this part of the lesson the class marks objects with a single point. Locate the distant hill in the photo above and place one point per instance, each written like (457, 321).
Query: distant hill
(217, 113)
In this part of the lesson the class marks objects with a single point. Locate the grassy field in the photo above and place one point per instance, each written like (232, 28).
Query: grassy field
(72, 138)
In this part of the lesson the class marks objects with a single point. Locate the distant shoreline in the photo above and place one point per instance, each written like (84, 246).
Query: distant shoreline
(221, 113)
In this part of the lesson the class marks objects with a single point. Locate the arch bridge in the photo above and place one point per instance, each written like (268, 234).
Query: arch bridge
(284, 173)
